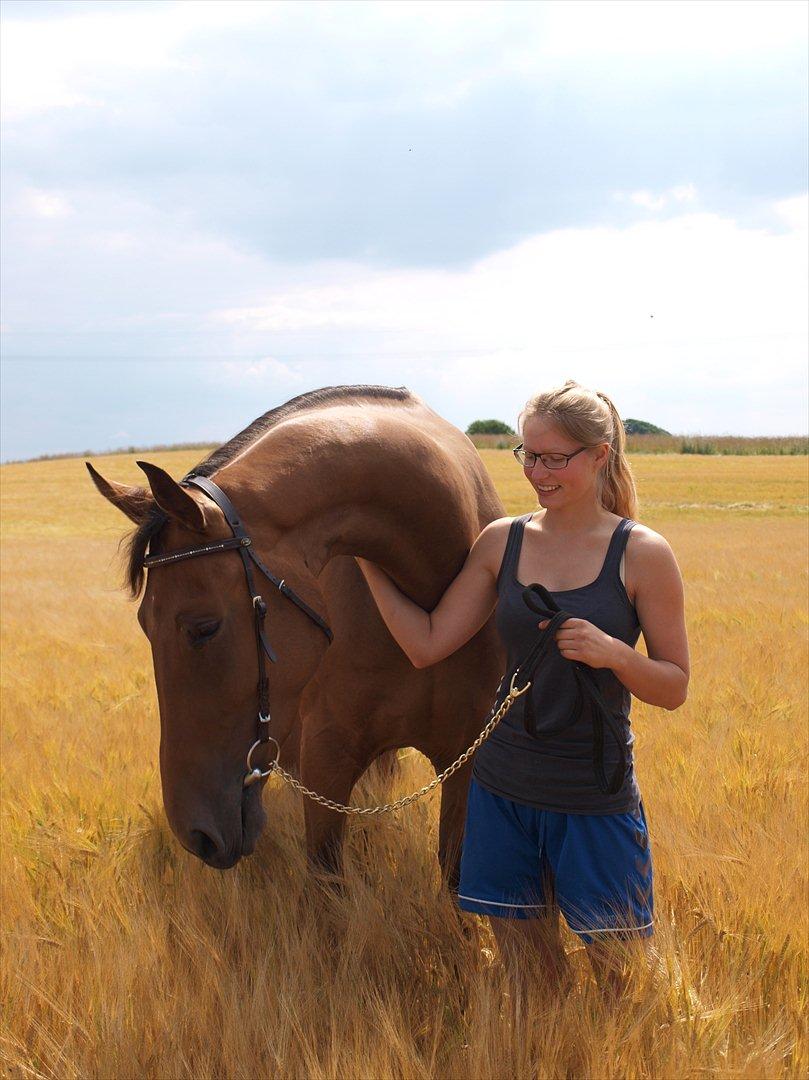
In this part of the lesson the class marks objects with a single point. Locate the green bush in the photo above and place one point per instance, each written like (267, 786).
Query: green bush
(489, 427)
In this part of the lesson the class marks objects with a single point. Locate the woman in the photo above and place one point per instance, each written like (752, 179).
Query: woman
(544, 833)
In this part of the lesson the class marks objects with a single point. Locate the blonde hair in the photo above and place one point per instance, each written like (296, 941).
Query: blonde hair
(589, 417)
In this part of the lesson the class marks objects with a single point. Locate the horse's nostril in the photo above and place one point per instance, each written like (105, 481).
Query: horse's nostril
(213, 849)
(202, 845)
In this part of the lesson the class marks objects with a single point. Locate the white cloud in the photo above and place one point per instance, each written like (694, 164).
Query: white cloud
(694, 303)
(649, 200)
(667, 27)
(725, 351)
(794, 212)
(55, 63)
(701, 276)
(267, 371)
(424, 134)
(45, 204)
(684, 193)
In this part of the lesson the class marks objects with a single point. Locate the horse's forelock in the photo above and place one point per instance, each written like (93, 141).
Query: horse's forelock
(138, 542)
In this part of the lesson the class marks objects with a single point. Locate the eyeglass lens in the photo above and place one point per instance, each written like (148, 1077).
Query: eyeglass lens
(550, 461)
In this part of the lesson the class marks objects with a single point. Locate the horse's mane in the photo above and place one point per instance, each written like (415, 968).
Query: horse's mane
(144, 536)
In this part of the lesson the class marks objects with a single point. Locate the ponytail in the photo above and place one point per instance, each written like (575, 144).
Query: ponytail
(617, 486)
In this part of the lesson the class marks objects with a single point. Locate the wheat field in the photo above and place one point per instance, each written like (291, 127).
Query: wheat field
(125, 957)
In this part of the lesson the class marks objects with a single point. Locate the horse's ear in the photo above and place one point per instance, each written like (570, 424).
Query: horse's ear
(135, 502)
(172, 499)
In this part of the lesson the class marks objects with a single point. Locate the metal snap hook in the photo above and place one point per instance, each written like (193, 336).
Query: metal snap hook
(518, 693)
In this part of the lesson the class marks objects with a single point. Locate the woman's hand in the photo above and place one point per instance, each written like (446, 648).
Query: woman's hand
(580, 640)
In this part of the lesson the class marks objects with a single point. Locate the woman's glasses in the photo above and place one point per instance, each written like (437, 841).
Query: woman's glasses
(551, 461)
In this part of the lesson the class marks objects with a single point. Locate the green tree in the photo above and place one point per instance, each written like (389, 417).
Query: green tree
(643, 427)
(489, 427)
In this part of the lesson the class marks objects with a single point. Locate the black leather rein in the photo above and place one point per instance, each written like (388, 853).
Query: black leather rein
(242, 543)
(601, 713)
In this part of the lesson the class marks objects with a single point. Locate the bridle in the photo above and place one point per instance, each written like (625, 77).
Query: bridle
(242, 543)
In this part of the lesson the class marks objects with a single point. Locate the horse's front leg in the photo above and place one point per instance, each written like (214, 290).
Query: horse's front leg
(331, 766)
(454, 792)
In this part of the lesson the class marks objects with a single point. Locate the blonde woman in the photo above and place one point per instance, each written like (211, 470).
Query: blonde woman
(555, 820)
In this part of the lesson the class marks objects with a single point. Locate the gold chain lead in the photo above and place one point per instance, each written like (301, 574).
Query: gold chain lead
(341, 808)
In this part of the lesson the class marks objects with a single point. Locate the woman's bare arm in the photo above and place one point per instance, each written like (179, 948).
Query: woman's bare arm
(661, 677)
(427, 637)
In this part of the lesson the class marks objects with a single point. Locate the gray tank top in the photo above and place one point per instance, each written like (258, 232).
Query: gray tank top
(555, 772)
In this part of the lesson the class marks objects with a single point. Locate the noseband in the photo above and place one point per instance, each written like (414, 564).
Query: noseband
(242, 543)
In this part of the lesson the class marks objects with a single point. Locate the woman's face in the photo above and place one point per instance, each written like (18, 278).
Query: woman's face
(576, 479)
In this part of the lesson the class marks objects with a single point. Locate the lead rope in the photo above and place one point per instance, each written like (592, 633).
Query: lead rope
(341, 808)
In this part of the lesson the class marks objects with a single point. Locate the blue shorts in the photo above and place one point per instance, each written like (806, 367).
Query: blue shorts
(518, 860)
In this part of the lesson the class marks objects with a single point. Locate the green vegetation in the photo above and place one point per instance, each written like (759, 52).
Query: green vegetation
(790, 445)
(489, 427)
(643, 427)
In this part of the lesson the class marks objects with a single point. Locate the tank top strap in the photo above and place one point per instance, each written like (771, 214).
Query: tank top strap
(511, 555)
(617, 546)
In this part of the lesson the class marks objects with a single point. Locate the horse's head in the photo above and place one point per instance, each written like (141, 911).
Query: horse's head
(199, 619)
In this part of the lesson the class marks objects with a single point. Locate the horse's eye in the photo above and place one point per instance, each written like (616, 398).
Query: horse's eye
(203, 632)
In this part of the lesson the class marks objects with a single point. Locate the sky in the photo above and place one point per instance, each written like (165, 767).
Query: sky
(209, 208)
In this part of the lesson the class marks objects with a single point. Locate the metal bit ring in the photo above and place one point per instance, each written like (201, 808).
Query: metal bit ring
(254, 773)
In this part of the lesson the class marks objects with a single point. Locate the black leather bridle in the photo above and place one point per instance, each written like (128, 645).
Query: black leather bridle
(242, 543)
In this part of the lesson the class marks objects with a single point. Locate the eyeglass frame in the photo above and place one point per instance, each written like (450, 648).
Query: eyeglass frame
(540, 457)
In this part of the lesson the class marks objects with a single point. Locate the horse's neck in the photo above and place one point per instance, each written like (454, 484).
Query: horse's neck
(382, 504)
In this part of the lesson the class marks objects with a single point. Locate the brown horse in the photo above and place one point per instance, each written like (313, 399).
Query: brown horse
(337, 472)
